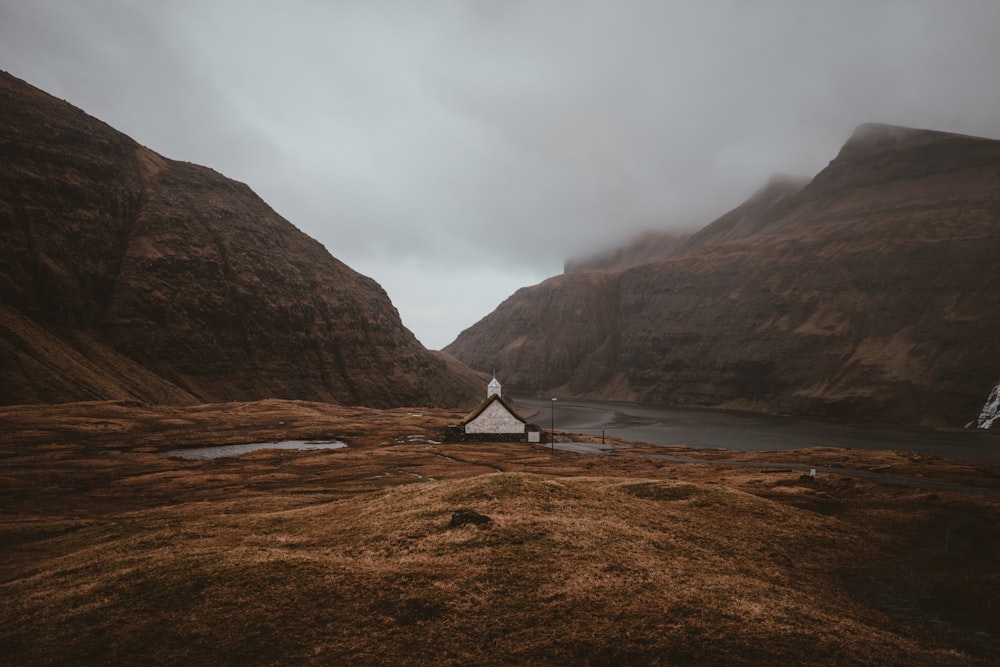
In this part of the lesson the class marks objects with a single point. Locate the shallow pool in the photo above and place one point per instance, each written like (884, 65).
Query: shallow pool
(225, 451)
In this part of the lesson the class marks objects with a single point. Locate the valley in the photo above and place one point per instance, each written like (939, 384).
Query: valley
(154, 314)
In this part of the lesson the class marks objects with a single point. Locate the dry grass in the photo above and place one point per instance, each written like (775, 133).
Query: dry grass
(114, 554)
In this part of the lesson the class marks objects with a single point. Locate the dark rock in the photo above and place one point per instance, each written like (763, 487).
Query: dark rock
(465, 516)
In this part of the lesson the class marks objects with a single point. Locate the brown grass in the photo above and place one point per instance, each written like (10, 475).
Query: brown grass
(115, 554)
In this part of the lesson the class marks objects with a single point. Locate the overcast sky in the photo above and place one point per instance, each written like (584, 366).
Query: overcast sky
(458, 150)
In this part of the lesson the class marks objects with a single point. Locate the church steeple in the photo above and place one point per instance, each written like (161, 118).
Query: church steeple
(493, 387)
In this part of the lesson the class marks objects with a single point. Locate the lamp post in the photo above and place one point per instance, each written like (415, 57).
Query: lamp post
(552, 426)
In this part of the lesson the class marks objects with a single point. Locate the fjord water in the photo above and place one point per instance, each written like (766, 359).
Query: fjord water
(700, 428)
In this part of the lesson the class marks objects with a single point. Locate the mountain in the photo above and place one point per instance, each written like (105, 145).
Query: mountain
(655, 246)
(868, 294)
(126, 275)
(650, 246)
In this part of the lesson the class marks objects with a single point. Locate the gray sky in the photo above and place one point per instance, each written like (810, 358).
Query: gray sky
(456, 150)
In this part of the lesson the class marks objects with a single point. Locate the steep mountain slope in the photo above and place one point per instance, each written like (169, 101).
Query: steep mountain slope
(767, 204)
(127, 275)
(868, 294)
(650, 246)
(657, 246)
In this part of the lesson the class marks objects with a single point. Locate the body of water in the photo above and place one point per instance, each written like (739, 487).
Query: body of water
(710, 429)
(225, 451)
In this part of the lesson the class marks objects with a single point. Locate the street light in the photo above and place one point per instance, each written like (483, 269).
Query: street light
(552, 426)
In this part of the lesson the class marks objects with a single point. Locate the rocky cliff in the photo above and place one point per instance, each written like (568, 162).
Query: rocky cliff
(127, 275)
(869, 294)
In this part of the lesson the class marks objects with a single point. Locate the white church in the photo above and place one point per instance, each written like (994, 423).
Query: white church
(496, 419)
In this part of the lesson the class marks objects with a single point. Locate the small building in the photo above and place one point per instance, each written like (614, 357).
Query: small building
(495, 419)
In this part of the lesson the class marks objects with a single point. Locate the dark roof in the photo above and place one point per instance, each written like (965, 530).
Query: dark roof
(482, 406)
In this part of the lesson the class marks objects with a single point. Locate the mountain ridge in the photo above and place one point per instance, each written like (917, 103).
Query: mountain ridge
(127, 275)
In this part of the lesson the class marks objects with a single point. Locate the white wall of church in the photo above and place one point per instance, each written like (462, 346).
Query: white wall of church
(495, 419)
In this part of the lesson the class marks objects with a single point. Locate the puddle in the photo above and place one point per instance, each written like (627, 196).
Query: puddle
(225, 451)
(414, 440)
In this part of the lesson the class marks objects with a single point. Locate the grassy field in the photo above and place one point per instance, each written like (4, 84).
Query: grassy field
(115, 554)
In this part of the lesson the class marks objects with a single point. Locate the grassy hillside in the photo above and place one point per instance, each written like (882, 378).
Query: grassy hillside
(115, 554)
